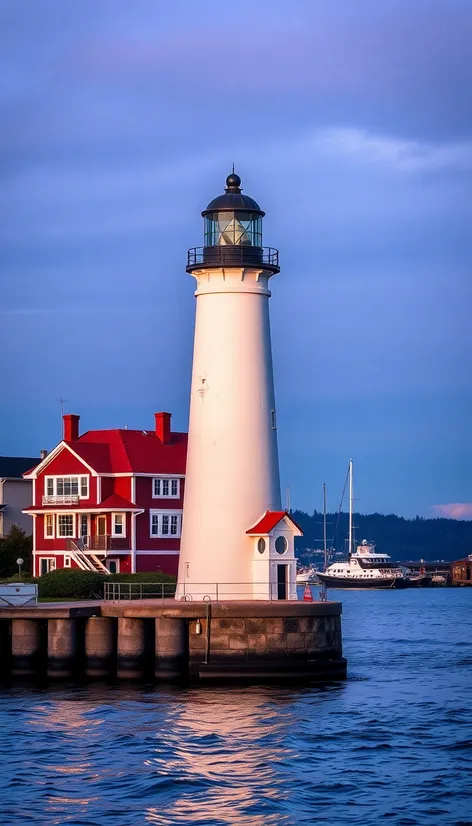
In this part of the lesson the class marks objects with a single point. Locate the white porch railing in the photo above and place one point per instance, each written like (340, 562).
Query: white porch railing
(72, 499)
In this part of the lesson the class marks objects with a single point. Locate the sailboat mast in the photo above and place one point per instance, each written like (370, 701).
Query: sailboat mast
(351, 501)
(325, 544)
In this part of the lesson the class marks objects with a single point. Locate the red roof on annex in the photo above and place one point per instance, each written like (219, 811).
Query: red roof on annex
(269, 521)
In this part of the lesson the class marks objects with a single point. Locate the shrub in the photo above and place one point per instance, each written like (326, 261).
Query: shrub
(71, 584)
(156, 576)
(136, 586)
(15, 544)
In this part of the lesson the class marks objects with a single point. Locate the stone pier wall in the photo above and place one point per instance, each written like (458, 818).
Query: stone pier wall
(170, 640)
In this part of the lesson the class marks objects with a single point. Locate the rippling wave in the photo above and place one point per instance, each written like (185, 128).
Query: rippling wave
(393, 744)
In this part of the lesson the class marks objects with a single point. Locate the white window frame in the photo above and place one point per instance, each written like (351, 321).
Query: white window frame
(159, 514)
(51, 566)
(67, 561)
(113, 531)
(80, 516)
(79, 478)
(116, 562)
(157, 482)
(53, 534)
(74, 525)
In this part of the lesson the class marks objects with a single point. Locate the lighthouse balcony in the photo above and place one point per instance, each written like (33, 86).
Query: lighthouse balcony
(237, 255)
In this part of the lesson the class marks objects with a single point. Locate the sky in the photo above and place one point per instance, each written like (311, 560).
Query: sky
(350, 123)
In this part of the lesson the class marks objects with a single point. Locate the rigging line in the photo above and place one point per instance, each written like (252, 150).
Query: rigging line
(335, 534)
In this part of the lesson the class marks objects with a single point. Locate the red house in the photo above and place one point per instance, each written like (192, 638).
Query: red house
(110, 500)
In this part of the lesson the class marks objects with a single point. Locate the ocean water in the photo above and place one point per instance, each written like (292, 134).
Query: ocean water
(392, 745)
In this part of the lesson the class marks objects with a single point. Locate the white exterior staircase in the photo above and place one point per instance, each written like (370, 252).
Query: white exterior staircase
(86, 561)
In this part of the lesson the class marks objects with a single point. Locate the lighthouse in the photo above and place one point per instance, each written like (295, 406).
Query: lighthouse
(237, 541)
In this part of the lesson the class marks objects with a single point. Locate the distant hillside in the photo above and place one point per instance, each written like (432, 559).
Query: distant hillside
(402, 539)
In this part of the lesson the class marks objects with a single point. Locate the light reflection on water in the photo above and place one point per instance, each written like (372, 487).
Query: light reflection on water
(393, 743)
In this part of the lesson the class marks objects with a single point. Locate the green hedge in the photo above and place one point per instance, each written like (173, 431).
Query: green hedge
(70, 584)
(143, 577)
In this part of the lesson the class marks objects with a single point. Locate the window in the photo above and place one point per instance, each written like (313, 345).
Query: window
(67, 563)
(113, 565)
(281, 544)
(65, 524)
(68, 486)
(272, 420)
(261, 545)
(46, 564)
(83, 525)
(118, 524)
(49, 526)
(165, 488)
(165, 524)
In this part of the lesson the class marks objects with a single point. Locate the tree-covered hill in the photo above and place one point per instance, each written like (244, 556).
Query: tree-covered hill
(402, 539)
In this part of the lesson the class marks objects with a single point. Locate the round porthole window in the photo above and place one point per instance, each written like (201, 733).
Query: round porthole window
(261, 545)
(281, 544)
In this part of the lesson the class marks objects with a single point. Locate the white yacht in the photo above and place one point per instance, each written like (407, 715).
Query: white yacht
(365, 568)
(306, 575)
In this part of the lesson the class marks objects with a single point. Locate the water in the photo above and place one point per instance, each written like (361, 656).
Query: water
(392, 745)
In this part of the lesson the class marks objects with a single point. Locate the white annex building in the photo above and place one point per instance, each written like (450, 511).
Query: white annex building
(237, 542)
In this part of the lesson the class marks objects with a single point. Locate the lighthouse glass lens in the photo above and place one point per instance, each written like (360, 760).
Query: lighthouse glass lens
(234, 229)
(281, 544)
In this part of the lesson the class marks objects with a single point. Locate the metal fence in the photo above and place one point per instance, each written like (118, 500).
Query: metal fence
(203, 591)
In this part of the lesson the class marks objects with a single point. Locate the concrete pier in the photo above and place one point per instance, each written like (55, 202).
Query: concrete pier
(26, 647)
(171, 648)
(161, 640)
(100, 647)
(62, 648)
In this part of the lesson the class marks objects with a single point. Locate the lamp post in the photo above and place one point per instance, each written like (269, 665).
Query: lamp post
(19, 562)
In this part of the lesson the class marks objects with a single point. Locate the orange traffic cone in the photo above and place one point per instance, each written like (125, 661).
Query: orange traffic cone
(307, 594)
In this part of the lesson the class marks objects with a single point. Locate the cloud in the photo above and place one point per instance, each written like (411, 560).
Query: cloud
(393, 152)
(454, 510)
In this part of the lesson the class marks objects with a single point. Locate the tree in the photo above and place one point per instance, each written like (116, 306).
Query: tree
(15, 544)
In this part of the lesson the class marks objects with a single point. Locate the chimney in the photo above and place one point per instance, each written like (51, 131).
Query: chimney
(163, 427)
(43, 454)
(71, 427)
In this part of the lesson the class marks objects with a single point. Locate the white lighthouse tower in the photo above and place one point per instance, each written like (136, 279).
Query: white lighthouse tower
(237, 542)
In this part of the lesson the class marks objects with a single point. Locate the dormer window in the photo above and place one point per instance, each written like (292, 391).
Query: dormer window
(165, 488)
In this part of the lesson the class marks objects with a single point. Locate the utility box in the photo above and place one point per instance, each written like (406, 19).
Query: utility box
(18, 595)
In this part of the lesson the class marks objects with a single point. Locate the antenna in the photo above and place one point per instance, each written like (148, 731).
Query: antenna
(233, 167)
(61, 402)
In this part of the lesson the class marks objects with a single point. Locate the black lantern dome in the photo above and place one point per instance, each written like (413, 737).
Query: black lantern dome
(233, 233)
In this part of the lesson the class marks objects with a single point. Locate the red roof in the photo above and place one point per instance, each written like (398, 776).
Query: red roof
(269, 521)
(131, 451)
(116, 501)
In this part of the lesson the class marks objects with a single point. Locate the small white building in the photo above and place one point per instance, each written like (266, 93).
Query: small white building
(232, 502)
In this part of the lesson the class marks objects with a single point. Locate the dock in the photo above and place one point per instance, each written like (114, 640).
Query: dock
(168, 640)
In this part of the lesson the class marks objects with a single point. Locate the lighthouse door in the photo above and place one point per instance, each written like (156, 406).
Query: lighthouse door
(282, 571)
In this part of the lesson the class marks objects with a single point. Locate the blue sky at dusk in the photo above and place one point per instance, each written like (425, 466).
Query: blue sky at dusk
(349, 122)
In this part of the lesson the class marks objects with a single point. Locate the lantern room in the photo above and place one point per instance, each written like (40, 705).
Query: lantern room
(233, 233)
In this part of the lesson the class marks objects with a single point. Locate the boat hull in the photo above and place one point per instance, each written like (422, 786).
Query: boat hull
(352, 582)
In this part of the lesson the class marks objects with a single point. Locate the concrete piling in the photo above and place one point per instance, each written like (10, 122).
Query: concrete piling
(26, 649)
(131, 648)
(62, 648)
(171, 648)
(100, 647)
